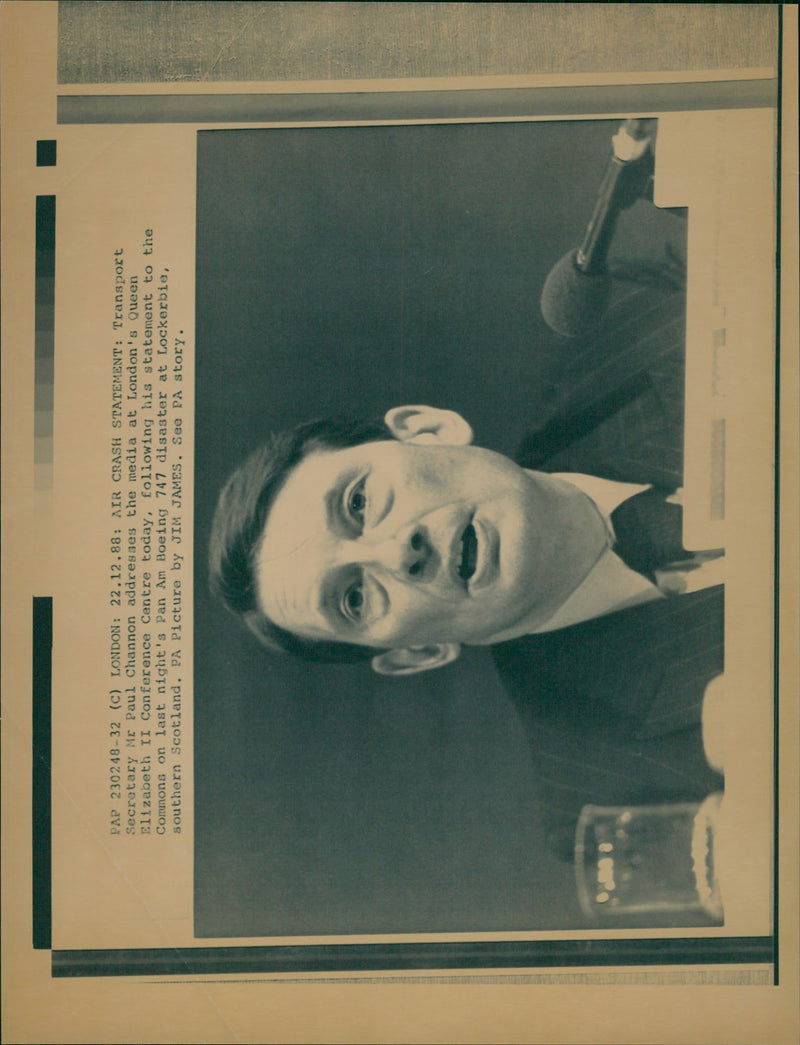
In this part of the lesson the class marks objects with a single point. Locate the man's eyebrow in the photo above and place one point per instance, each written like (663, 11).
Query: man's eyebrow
(333, 507)
(328, 605)
(335, 520)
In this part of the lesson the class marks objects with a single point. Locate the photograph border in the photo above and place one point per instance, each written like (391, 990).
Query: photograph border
(225, 111)
(42, 1004)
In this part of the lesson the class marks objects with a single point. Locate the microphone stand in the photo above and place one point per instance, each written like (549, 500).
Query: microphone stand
(626, 178)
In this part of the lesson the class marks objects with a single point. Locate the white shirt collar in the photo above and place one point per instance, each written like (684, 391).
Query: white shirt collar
(607, 494)
(610, 585)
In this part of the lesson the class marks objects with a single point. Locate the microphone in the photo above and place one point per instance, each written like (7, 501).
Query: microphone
(578, 287)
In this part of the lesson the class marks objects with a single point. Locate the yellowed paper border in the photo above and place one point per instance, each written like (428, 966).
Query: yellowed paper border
(37, 1005)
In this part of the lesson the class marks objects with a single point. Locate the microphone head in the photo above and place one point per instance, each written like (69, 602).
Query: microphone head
(573, 301)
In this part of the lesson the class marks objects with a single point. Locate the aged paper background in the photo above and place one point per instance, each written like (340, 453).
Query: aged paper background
(516, 1007)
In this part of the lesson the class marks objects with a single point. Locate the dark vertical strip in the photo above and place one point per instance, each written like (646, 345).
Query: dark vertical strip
(46, 152)
(44, 347)
(777, 530)
(42, 904)
(45, 237)
(44, 351)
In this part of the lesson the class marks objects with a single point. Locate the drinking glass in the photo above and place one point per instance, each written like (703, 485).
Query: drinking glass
(658, 859)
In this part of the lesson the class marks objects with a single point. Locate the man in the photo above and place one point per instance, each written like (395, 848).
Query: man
(417, 542)
(400, 542)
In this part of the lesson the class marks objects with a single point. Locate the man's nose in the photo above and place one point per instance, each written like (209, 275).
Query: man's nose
(408, 553)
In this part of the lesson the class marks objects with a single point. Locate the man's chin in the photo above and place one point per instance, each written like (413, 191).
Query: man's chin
(512, 631)
(503, 627)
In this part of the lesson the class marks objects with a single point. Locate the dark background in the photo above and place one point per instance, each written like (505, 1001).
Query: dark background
(350, 270)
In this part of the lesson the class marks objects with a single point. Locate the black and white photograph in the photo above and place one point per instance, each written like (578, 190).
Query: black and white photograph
(421, 472)
(399, 514)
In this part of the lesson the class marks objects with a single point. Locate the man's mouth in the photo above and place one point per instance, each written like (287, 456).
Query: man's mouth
(469, 553)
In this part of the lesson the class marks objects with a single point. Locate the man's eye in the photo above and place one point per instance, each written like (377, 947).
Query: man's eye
(357, 502)
(354, 601)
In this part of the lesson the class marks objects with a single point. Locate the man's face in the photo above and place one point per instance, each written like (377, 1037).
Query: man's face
(391, 544)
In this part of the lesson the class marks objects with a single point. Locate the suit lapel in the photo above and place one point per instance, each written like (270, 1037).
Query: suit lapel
(623, 418)
(647, 666)
(612, 707)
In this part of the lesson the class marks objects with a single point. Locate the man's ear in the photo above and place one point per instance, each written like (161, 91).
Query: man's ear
(412, 659)
(428, 425)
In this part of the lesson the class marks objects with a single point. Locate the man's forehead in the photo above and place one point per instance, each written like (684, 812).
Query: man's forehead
(294, 525)
(301, 507)
(323, 467)
(298, 507)
(298, 537)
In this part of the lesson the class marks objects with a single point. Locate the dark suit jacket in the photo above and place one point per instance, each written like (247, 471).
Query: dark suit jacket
(612, 706)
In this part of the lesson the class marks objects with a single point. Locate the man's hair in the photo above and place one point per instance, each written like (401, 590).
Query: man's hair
(241, 515)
